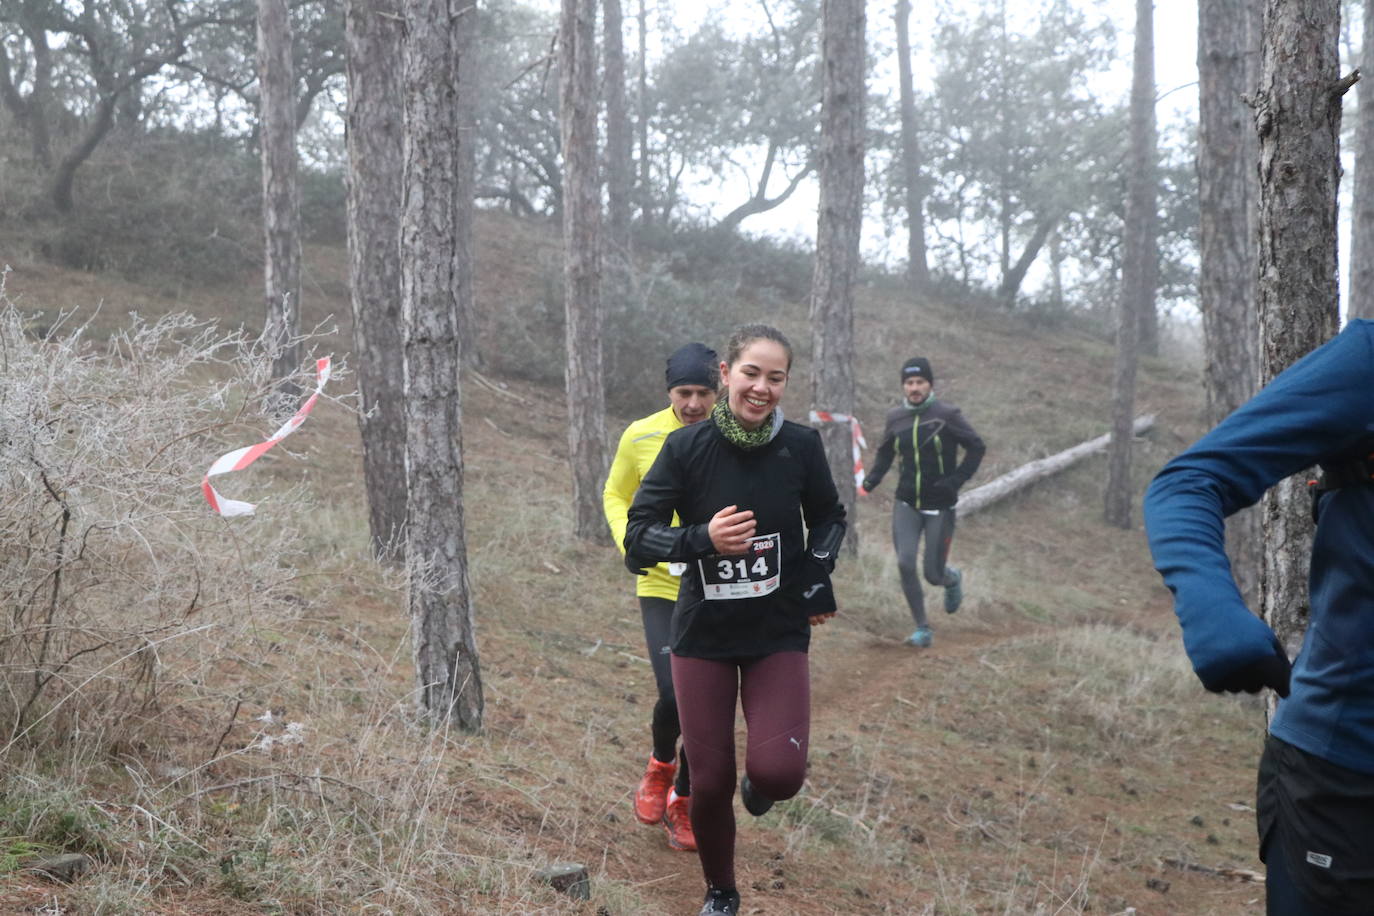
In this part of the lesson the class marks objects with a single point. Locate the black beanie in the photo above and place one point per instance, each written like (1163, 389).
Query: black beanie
(693, 364)
(919, 366)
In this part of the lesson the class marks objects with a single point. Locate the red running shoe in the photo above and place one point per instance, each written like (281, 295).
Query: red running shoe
(677, 820)
(652, 795)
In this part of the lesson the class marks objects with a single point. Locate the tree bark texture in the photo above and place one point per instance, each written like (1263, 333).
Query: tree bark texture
(646, 198)
(440, 596)
(1228, 160)
(280, 197)
(1361, 299)
(615, 290)
(581, 265)
(374, 125)
(465, 25)
(1298, 117)
(917, 264)
(840, 222)
(1139, 267)
(619, 167)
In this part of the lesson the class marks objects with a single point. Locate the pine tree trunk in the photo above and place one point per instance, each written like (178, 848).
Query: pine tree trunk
(645, 189)
(442, 624)
(30, 111)
(1146, 308)
(1361, 300)
(1228, 157)
(837, 233)
(1298, 116)
(280, 197)
(374, 205)
(465, 27)
(917, 266)
(581, 266)
(618, 166)
(618, 142)
(1015, 274)
(1139, 268)
(1056, 247)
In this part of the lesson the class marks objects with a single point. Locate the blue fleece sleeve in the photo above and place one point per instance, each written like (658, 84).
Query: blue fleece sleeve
(1315, 411)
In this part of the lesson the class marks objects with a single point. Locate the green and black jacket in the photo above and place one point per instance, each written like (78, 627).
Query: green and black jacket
(926, 441)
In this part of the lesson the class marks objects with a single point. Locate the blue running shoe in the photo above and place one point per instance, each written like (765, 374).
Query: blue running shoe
(954, 592)
(920, 638)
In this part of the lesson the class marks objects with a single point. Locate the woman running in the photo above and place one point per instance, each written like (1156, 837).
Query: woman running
(925, 434)
(742, 485)
(664, 788)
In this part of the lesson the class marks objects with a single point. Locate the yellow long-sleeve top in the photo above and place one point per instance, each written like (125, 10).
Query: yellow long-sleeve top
(635, 454)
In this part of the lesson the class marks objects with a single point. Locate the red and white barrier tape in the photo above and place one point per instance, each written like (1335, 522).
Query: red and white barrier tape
(825, 416)
(239, 459)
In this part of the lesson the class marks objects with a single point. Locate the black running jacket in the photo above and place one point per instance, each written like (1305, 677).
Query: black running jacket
(786, 483)
(926, 444)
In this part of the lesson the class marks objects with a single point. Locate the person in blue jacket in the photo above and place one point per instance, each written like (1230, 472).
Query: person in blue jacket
(1315, 807)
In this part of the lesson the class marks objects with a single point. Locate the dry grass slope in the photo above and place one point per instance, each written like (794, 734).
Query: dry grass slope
(1050, 754)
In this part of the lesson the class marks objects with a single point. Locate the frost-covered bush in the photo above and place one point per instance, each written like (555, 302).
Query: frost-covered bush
(122, 592)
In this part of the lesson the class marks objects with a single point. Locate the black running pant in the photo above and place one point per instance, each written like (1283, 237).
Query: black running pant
(1316, 825)
(664, 727)
(908, 527)
(775, 693)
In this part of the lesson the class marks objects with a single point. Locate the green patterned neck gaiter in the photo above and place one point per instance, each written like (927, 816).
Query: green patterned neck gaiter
(921, 407)
(729, 427)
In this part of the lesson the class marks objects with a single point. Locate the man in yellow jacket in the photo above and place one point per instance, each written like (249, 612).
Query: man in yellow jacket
(691, 376)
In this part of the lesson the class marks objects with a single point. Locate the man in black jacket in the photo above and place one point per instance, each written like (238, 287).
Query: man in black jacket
(926, 436)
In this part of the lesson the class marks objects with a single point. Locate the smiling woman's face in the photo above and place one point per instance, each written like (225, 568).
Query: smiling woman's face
(756, 381)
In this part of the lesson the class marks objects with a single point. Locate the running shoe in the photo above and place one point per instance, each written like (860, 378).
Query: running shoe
(954, 594)
(754, 803)
(720, 903)
(652, 795)
(677, 820)
(920, 638)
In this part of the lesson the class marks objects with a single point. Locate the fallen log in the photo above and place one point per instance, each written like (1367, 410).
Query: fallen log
(981, 497)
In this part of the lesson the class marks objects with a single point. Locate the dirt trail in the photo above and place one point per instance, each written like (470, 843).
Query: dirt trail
(867, 691)
(854, 673)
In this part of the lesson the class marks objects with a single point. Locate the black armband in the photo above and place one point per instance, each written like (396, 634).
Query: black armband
(825, 543)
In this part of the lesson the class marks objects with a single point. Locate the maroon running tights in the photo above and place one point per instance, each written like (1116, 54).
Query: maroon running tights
(774, 691)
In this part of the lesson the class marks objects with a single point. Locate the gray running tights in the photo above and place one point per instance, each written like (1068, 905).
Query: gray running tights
(908, 527)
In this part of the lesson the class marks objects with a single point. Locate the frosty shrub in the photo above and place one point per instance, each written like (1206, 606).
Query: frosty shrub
(122, 592)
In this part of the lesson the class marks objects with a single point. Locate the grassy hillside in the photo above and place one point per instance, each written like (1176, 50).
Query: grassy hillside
(1050, 754)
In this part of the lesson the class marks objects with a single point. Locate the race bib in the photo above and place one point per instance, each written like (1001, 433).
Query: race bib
(751, 574)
